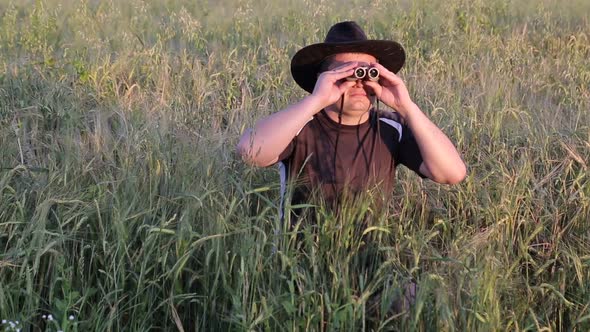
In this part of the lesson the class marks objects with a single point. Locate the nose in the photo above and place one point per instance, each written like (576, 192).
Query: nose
(359, 83)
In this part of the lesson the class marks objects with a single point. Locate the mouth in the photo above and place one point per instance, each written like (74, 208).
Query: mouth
(358, 94)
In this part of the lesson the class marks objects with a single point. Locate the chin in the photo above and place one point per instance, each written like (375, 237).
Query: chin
(360, 107)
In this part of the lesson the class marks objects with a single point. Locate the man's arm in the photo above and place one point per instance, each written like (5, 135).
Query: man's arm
(441, 160)
(262, 145)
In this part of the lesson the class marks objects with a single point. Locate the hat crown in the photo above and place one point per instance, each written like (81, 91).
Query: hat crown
(343, 37)
(344, 32)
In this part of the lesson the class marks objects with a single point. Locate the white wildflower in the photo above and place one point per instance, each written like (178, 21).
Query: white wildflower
(4, 321)
(12, 325)
(49, 317)
(71, 317)
(44, 316)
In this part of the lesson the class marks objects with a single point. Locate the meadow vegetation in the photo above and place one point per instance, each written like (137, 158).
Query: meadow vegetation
(123, 204)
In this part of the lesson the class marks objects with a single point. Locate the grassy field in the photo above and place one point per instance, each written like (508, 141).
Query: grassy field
(124, 208)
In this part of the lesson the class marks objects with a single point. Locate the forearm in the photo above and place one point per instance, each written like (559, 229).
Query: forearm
(441, 160)
(262, 144)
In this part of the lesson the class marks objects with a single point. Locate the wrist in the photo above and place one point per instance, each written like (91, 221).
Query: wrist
(408, 111)
(313, 104)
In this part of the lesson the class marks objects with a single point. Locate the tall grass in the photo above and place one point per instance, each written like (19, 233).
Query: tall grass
(123, 204)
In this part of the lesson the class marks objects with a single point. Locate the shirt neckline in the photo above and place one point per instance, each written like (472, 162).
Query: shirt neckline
(325, 118)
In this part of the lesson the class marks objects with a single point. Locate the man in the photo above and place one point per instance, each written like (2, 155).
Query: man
(333, 140)
(337, 144)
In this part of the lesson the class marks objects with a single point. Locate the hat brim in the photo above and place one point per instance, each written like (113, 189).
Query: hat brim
(305, 64)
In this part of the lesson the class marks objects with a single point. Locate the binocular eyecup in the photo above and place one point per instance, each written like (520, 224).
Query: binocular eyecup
(364, 73)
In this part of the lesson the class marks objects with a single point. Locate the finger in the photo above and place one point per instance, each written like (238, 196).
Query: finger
(340, 74)
(340, 71)
(345, 66)
(382, 70)
(345, 85)
(329, 80)
(375, 87)
(387, 74)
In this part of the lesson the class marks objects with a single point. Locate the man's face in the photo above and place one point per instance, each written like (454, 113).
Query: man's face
(357, 99)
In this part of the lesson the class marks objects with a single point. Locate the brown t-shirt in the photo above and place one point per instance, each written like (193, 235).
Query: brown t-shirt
(335, 159)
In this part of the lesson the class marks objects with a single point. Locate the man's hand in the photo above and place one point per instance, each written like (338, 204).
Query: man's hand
(441, 161)
(330, 84)
(391, 90)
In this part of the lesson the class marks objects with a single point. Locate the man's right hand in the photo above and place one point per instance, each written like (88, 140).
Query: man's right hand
(263, 144)
(331, 84)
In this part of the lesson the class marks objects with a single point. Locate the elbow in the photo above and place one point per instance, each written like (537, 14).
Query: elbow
(451, 174)
(243, 148)
(457, 175)
(242, 153)
(246, 152)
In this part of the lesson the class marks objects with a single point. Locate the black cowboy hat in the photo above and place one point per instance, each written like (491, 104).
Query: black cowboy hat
(343, 37)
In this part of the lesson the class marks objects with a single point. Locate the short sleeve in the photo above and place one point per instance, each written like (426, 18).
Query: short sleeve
(288, 151)
(290, 148)
(409, 152)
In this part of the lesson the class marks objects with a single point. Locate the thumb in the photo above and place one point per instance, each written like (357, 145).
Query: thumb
(376, 87)
(346, 85)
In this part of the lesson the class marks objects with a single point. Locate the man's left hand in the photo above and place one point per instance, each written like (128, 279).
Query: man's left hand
(391, 90)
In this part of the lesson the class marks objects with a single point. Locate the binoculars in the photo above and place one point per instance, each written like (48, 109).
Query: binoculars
(365, 73)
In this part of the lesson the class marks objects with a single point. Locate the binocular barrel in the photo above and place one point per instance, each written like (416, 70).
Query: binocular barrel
(365, 73)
